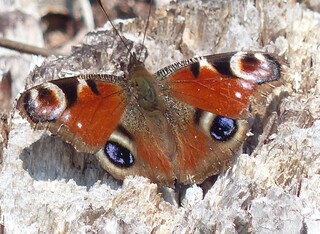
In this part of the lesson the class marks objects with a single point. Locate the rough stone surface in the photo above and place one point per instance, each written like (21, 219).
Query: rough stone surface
(46, 187)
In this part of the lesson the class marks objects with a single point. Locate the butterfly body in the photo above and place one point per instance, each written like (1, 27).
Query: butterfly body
(182, 124)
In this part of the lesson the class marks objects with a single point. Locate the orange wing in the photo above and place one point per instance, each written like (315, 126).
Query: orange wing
(221, 84)
(217, 90)
(83, 112)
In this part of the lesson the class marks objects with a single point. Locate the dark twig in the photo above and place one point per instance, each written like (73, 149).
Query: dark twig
(28, 49)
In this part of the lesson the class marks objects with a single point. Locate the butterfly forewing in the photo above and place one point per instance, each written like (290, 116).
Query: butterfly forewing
(221, 84)
(84, 112)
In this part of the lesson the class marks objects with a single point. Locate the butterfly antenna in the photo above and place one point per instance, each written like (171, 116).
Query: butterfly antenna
(115, 29)
(147, 25)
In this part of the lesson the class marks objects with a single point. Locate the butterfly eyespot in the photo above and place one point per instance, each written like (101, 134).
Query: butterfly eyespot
(45, 103)
(118, 154)
(223, 128)
(256, 67)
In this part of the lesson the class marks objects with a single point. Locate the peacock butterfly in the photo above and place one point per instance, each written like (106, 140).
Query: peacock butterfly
(179, 125)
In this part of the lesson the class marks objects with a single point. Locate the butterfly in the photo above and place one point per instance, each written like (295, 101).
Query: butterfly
(182, 124)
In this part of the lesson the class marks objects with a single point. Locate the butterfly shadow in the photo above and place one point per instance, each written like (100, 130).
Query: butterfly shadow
(50, 158)
(264, 125)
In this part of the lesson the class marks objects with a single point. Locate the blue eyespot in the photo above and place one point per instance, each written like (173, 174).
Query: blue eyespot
(223, 128)
(118, 155)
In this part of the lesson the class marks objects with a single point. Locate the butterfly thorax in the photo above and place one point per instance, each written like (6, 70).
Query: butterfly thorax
(145, 88)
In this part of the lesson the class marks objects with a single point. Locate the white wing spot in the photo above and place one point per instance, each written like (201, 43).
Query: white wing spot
(205, 63)
(79, 125)
(238, 95)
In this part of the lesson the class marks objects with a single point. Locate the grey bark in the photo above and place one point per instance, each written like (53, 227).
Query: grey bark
(47, 187)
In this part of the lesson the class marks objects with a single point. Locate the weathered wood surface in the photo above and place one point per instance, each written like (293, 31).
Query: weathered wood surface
(46, 187)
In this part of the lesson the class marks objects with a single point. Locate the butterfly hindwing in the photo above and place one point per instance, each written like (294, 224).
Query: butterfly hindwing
(206, 150)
